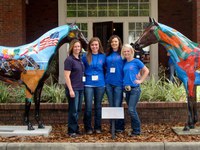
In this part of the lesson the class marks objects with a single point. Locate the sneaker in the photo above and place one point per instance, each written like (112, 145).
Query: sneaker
(119, 131)
(134, 134)
(89, 132)
(79, 133)
(72, 135)
(98, 131)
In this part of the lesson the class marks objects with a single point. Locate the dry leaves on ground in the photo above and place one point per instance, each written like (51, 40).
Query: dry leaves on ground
(150, 133)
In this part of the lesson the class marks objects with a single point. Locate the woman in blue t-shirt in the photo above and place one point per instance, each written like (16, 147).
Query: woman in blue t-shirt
(114, 77)
(94, 62)
(131, 82)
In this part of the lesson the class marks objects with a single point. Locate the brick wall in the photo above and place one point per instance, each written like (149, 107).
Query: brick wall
(41, 16)
(12, 114)
(12, 22)
(178, 15)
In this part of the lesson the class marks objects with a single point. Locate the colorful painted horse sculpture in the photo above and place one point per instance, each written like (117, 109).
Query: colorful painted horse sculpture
(186, 57)
(29, 64)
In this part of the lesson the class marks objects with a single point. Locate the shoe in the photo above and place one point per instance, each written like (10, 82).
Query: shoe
(119, 131)
(98, 131)
(134, 134)
(89, 132)
(72, 135)
(79, 133)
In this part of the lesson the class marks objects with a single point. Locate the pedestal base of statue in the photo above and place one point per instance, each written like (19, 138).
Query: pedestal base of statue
(179, 131)
(8, 131)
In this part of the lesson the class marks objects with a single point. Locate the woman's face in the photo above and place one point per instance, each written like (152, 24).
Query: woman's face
(77, 48)
(127, 53)
(94, 46)
(115, 44)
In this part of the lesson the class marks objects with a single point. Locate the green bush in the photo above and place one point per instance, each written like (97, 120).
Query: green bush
(152, 90)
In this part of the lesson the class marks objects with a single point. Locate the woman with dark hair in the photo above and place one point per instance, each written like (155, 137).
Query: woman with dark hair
(74, 75)
(94, 62)
(114, 77)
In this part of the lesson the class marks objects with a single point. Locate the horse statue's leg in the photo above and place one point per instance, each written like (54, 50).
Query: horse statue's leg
(26, 114)
(192, 112)
(37, 105)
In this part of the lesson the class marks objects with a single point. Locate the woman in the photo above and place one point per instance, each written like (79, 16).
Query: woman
(74, 74)
(114, 77)
(131, 83)
(94, 62)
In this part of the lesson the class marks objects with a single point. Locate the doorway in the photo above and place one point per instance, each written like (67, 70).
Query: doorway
(104, 30)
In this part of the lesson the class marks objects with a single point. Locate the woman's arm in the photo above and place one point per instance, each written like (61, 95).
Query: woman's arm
(68, 82)
(145, 72)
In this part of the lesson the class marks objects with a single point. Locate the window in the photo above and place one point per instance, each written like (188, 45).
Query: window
(107, 8)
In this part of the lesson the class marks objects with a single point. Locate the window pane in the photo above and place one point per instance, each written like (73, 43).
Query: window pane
(131, 26)
(81, 1)
(102, 7)
(84, 26)
(144, 13)
(133, 0)
(133, 13)
(112, 6)
(144, 6)
(82, 7)
(71, 7)
(92, 13)
(92, 1)
(123, 13)
(82, 14)
(100, 1)
(92, 6)
(123, 6)
(123, 1)
(102, 13)
(138, 26)
(113, 13)
(71, 13)
(113, 1)
(133, 7)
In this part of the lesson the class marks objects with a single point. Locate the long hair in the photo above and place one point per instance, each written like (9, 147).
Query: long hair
(109, 50)
(89, 51)
(71, 45)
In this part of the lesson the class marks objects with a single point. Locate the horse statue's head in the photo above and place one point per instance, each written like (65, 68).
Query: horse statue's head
(149, 35)
(75, 33)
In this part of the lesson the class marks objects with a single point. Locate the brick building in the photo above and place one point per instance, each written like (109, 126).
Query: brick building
(23, 21)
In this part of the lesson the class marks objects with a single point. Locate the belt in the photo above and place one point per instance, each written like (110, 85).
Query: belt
(128, 88)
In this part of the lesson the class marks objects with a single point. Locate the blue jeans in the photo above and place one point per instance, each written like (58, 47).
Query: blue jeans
(115, 98)
(74, 108)
(132, 98)
(97, 93)
(171, 72)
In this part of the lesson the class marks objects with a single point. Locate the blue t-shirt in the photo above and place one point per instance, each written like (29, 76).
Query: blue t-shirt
(94, 72)
(131, 69)
(114, 60)
(77, 71)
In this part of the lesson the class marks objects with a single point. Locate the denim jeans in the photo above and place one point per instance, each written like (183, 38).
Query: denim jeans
(171, 72)
(97, 93)
(115, 98)
(74, 109)
(132, 98)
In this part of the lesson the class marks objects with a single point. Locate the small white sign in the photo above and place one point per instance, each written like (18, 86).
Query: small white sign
(112, 113)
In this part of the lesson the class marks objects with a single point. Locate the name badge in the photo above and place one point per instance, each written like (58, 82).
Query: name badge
(95, 78)
(112, 70)
(83, 79)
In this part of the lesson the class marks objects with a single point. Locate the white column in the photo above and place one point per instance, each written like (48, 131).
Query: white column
(63, 49)
(154, 64)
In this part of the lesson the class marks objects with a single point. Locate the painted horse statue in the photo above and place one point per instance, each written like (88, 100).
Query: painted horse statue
(186, 57)
(28, 64)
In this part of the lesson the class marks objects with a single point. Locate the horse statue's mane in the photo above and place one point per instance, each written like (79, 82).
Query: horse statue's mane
(29, 64)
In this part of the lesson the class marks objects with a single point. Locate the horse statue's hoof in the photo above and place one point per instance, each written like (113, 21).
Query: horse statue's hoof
(41, 126)
(30, 127)
(186, 128)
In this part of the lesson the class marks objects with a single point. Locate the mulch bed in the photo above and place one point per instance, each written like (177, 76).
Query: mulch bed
(150, 133)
